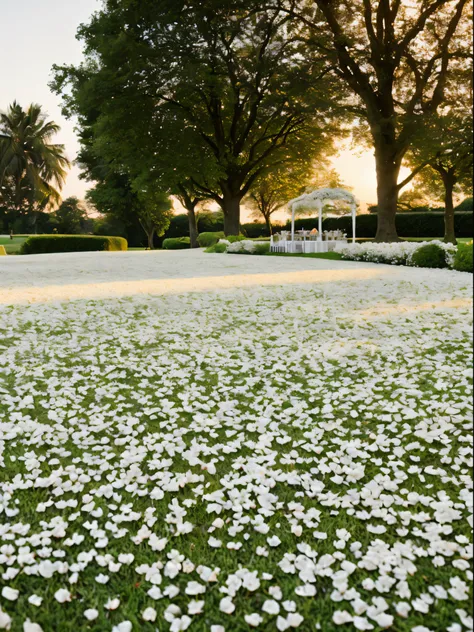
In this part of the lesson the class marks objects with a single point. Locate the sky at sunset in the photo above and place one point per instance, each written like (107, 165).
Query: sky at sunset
(29, 48)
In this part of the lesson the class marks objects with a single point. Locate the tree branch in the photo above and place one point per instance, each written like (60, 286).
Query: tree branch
(412, 175)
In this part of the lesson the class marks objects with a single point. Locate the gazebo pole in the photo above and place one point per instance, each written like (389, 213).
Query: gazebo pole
(354, 223)
(320, 210)
(293, 214)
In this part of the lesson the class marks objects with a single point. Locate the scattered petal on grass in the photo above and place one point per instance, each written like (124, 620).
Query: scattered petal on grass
(5, 620)
(62, 595)
(259, 450)
(91, 614)
(10, 593)
(29, 626)
(35, 600)
(149, 614)
(253, 620)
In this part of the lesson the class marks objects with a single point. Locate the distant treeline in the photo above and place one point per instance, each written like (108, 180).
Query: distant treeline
(409, 224)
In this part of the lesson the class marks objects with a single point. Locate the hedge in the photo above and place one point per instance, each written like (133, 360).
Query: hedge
(183, 243)
(429, 224)
(420, 224)
(408, 224)
(255, 230)
(206, 240)
(44, 244)
(463, 261)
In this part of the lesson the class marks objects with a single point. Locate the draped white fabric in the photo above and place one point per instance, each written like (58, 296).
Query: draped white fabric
(315, 200)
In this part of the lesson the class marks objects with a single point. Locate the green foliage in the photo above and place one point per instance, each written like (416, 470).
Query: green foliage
(71, 218)
(466, 205)
(209, 239)
(179, 227)
(217, 249)
(429, 256)
(32, 168)
(408, 224)
(255, 230)
(154, 213)
(425, 224)
(261, 101)
(207, 221)
(388, 56)
(115, 197)
(181, 243)
(261, 249)
(279, 185)
(210, 221)
(42, 244)
(234, 238)
(463, 259)
(444, 144)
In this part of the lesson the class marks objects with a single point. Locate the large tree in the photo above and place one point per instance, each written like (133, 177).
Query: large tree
(276, 188)
(225, 76)
(116, 198)
(444, 145)
(191, 199)
(396, 57)
(154, 214)
(71, 217)
(32, 168)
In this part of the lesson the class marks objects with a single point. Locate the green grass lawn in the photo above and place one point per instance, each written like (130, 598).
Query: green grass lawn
(294, 456)
(12, 246)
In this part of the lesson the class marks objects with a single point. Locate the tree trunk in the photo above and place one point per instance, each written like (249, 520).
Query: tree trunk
(449, 230)
(231, 208)
(268, 222)
(193, 229)
(151, 237)
(387, 194)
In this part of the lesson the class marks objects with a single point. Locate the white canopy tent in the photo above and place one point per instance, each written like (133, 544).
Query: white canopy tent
(316, 201)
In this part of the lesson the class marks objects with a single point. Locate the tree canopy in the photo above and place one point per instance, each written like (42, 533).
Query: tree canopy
(399, 60)
(32, 167)
(216, 93)
(445, 146)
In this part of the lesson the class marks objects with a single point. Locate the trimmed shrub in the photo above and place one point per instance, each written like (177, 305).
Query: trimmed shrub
(261, 249)
(429, 256)
(206, 240)
(44, 244)
(217, 249)
(234, 238)
(463, 258)
(181, 243)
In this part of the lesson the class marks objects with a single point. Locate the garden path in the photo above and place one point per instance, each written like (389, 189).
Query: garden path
(56, 277)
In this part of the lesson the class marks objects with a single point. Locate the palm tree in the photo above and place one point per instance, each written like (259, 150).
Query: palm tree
(32, 168)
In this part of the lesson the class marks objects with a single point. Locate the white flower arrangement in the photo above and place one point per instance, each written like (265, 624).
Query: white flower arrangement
(399, 253)
(308, 202)
(242, 246)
